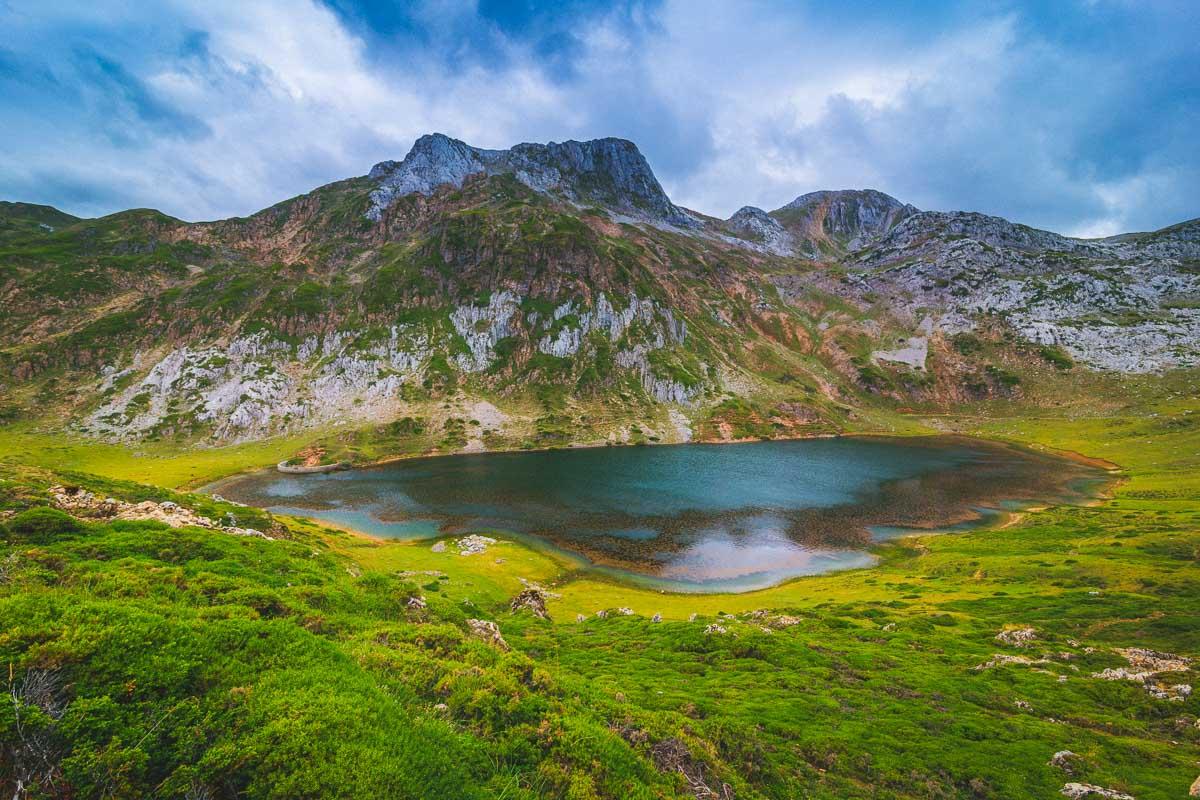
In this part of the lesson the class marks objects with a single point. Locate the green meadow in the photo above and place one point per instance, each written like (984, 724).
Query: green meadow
(146, 661)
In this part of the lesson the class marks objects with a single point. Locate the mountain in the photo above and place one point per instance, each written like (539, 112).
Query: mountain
(553, 294)
(611, 173)
(835, 222)
(752, 224)
(1127, 304)
(18, 218)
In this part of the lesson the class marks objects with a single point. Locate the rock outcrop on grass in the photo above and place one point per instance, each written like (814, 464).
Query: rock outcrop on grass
(488, 631)
(1017, 637)
(1087, 791)
(531, 599)
(1146, 667)
(82, 503)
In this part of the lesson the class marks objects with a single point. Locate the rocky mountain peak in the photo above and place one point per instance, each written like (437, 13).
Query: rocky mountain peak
(755, 225)
(751, 215)
(608, 172)
(435, 159)
(843, 219)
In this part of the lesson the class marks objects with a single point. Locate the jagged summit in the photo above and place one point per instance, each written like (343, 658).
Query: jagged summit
(609, 172)
(434, 160)
(842, 220)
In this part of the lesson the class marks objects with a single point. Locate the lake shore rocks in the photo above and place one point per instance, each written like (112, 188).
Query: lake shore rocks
(473, 544)
(300, 469)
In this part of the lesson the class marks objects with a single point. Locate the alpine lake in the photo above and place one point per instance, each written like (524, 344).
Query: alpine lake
(695, 517)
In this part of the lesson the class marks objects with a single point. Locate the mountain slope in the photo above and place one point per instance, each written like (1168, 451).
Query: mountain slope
(1130, 304)
(553, 294)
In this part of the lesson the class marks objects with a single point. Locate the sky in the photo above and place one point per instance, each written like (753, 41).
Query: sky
(1079, 116)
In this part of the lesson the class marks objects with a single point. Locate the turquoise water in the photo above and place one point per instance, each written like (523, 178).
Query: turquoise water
(689, 517)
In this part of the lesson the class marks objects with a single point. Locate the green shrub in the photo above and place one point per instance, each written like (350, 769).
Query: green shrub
(41, 523)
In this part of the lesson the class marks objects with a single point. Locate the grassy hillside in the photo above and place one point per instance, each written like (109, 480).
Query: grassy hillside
(149, 661)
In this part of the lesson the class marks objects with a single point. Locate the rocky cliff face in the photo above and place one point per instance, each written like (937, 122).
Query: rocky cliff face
(260, 384)
(611, 173)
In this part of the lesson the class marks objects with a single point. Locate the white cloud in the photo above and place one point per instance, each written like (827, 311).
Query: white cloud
(733, 104)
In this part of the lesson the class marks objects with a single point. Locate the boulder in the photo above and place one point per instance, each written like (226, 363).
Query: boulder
(1065, 760)
(488, 631)
(1003, 659)
(531, 599)
(1017, 637)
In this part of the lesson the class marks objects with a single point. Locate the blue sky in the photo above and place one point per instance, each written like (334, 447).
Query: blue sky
(1081, 116)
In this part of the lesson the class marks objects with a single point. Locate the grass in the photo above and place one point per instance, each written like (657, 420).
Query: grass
(156, 464)
(286, 665)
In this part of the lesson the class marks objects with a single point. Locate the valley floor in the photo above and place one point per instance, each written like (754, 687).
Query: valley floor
(319, 663)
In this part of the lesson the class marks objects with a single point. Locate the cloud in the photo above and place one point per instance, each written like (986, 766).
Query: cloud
(1082, 121)
(989, 115)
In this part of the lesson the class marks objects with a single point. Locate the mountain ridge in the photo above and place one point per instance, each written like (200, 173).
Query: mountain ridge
(436, 159)
(544, 280)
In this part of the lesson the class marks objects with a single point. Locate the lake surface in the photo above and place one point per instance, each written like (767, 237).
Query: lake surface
(728, 517)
